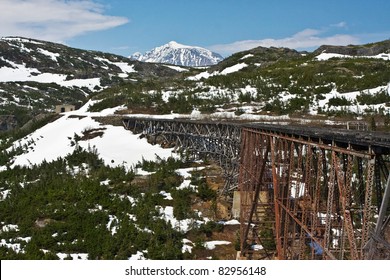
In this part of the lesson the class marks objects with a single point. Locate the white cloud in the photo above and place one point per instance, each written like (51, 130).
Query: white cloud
(305, 39)
(54, 20)
(120, 48)
(342, 24)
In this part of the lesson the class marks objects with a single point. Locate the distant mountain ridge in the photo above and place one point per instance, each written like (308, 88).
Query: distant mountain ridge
(178, 54)
(35, 76)
(356, 50)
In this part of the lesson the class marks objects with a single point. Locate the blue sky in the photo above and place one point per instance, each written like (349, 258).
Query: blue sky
(225, 26)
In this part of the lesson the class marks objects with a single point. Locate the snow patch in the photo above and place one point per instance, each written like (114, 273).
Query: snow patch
(166, 195)
(226, 71)
(231, 223)
(233, 68)
(187, 246)
(52, 55)
(203, 75)
(16, 247)
(125, 67)
(211, 245)
(10, 227)
(112, 224)
(4, 194)
(257, 247)
(138, 256)
(177, 68)
(167, 215)
(327, 56)
(246, 56)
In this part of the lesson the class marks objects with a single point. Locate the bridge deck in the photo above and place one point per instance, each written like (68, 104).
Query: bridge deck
(379, 142)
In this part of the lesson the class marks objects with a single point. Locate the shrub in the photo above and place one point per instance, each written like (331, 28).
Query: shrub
(338, 101)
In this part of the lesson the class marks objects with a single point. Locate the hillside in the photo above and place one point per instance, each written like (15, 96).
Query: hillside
(331, 81)
(357, 50)
(272, 81)
(36, 75)
(76, 188)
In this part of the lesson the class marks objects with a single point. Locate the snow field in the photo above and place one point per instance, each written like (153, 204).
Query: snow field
(117, 146)
(20, 73)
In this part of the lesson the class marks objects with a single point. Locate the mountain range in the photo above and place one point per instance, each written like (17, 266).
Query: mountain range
(178, 54)
(35, 76)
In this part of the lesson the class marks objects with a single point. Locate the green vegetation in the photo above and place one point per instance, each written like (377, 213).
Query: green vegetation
(302, 79)
(281, 81)
(372, 99)
(77, 204)
(26, 100)
(338, 101)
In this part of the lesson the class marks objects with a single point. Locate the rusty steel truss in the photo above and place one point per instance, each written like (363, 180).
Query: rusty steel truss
(219, 142)
(310, 195)
(305, 193)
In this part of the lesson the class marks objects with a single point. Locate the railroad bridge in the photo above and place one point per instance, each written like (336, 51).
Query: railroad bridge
(304, 192)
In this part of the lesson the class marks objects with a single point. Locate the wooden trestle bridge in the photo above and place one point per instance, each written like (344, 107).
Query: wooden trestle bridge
(305, 192)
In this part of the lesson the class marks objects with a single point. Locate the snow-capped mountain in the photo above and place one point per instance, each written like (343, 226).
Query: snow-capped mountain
(178, 54)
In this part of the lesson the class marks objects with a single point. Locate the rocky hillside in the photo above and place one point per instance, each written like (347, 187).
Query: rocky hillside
(358, 50)
(36, 75)
(260, 82)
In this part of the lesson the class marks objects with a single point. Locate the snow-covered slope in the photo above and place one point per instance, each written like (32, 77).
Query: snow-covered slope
(327, 56)
(178, 54)
(126, 151)
(23, 59)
